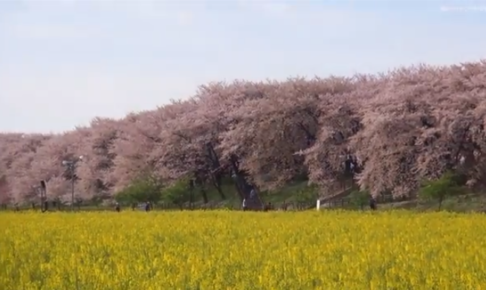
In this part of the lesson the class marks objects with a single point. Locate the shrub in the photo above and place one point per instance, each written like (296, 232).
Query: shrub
(178, 193)
(359, 198)
(308, 194)
(439, 189)
(141, 190)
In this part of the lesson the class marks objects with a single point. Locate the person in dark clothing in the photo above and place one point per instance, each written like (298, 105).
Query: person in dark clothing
(117, 207)
(147, 206)
(46, 206)
(268, 207)
(372, 203)
(284, 206)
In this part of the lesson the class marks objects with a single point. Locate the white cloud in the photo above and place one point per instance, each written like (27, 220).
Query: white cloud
(42, 101)
(275, 8)
(139, 54)
(61, 18)
(184, 18)
(52, 32)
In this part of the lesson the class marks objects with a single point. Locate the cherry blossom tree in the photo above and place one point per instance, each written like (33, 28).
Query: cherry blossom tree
(271, 129)
(48, 162)
(19, 151)
(95, 169)
(138, 136)
(384, 133)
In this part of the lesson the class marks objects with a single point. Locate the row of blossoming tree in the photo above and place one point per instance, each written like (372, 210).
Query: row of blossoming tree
(384, 133)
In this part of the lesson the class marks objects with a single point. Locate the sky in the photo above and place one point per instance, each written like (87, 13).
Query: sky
(65, 62)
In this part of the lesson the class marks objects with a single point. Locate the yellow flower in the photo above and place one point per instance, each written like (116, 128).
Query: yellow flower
(235, 250)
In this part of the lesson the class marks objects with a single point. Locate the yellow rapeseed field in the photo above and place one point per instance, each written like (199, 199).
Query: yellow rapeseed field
(236, 250)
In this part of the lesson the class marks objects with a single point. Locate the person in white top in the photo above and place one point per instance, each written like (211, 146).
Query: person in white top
(244, 204)
(252, 193)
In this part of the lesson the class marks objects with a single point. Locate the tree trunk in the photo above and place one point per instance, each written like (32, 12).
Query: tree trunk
(220, 191)
(242, 185)
(191, 197)
(310, 138)
(199, 181)
(204, 195)
(217, 184)
(239, 190)
(215, 168)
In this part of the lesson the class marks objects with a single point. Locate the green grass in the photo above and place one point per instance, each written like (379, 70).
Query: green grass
(297, 192)
(301, 193)
(463, 203)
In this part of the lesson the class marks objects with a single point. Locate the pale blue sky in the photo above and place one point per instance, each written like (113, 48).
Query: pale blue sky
(63, 62)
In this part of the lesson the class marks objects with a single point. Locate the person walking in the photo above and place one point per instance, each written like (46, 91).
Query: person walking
(372, 203)
(243, 205)
(252, 193)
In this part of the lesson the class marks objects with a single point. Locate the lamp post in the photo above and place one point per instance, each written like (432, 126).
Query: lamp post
(70, 164)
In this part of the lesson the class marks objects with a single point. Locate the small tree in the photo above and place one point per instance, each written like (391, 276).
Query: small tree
(98, 199)
(440, 188)
(309, 194)
(178, 193)
(359, 198)
(141, 190)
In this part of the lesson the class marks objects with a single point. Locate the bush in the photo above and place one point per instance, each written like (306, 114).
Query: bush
(359, 198)
(308, 194)
(439, 189)
(178, 193)
(141, 190)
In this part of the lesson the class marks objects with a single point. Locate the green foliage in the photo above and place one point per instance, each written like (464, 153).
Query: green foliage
(359, 198)
(307, 194)
(439, 189)
(97, 200)
(178, 193)
(141, 190)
